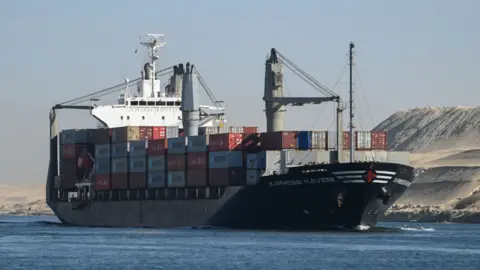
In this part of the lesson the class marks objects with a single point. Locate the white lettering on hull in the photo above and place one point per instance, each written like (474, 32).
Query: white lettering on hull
(402, 182)
(308, 181)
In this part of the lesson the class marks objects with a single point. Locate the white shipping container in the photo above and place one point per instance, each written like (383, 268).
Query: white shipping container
(331, 140)
(253, 177)
(364, 140)
(176, 179)
(171, 132)
(319, 140)
(305, 157)
(236, 129)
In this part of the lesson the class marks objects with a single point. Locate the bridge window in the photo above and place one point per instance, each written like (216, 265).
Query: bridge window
(151, 103)
(163, 117)
(128, 117)
(170, 103)
(178, 103)
(134, 103)
(179, 118)
(143, 117)
(121, 117)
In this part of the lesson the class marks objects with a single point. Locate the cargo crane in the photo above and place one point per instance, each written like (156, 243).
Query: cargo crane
(275, 101)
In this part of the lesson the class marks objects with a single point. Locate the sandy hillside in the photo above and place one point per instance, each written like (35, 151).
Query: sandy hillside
(23, 200)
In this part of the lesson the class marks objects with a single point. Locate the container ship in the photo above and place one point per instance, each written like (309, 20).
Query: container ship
(160, 159)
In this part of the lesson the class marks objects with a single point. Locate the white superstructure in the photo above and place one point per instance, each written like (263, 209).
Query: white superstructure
(149, 104)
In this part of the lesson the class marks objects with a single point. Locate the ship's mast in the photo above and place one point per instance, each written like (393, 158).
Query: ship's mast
(351, 102)
(156, 41)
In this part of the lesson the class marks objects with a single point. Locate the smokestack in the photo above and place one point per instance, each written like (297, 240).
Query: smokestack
(190, 102)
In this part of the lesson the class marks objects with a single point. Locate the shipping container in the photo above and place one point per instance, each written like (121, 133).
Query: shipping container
(119, 150)
(225, 141)
(176, 179)
(332, 140)
(119, 181)
(71, 136)
(246, 130)
(171, 132)
(253, 177)
(68, 182)
(226, 177)
(251, 143)
(177, 145)
(120, 165)
(137, 180)
(157, 179)
(379, 140)
(75, 150)
(225, 159)
(264, 160)
(146, 133)
(197, 160)
(102, 136)
(159, 132)
(102, 166)
(137, 148)
(363, 140)
(156, 164)
(295, 158)
(138, 164)
(125, 134)
(279, 140)
(318, 140)
(197, 178)
(211, 130)
(102, 181)
(176, 162)
(197, 143)
(304, 139)
(102, 151)
(157, 147)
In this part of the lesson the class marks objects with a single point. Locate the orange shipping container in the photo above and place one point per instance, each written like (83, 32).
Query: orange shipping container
(225, 141)
(156, 147)
(197, 178)
(279, 140)
(197, 160)
(176, 162)
(102, 182)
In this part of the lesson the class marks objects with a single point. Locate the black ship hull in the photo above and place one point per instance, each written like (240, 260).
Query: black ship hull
(306, 198)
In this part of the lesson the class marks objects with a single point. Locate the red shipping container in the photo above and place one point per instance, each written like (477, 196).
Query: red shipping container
(176, 162)
(279, 140)
(119, 181)
(102, 182)
(379, 140)
(197, 160)
(137, 180)
(157, 147)
(146, 133)
(251, 142)
(197, 178)
(159, 132)
(226, 177)
(250, 130)
(225, 141)
(346, 140)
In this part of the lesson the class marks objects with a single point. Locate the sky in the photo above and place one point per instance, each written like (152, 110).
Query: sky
(408, 54)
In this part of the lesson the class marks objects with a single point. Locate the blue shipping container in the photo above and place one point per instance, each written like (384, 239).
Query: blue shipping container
(102, 151)
(177, 145)
(119, 165)
(102, 166)
(156, 163)
(138, 164)
(119, 150)
(176, 179)
(197, 143)
(137, 148)
(157, 179)
(225, 159)
(304, 139)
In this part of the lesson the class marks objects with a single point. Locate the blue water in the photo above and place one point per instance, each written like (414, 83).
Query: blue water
(42, 243)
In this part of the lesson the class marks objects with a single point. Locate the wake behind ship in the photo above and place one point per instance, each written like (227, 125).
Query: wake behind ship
(160, 159)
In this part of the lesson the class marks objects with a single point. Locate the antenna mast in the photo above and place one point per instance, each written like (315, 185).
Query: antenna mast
(156, 41)
(352, 138)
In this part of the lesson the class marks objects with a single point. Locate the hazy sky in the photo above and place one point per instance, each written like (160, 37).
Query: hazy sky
(408, 54)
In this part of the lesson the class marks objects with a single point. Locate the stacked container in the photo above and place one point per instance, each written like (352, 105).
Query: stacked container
(312, 140)
(176, 175)
(73, 144)
(157, 163)
(197, 161)
(279, 140)
(137, 172)
(226, 160)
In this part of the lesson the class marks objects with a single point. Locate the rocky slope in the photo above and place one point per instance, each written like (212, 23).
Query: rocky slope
(445, 143)
(23, 200)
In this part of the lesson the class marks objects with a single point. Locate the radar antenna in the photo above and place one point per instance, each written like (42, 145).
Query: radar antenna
(153, 44)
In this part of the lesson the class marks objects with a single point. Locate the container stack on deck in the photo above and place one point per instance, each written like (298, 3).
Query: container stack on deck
(156, 157)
